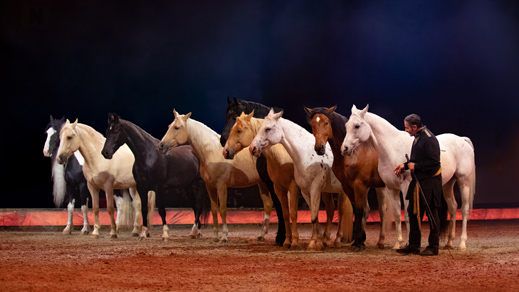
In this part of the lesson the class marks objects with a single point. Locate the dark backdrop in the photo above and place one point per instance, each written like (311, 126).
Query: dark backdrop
(455, 63)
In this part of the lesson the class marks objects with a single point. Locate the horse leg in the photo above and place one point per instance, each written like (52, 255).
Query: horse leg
(137, 202)
(267, 207)
(283, 199)
(94, 193)
(222, 198)
(143, 209)
(70, 222)
(110, 208)
(465, 189)
(330, 209)
(345, 220)
(448, 194)
(316, 240)
(161, 205)
(213, 195)
(151, 211)
(381, 198)
(293, 201)
(83, 195)
(395, 206)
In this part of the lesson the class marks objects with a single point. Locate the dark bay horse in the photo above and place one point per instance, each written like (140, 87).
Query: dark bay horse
(357, 173)
(173, 173)
(234, 110)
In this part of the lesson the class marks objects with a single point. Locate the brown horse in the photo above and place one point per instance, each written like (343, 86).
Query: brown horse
(280, 168)
(357, 173)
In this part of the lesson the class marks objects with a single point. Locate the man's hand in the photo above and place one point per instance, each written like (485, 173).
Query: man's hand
(399, 169)
(411, 166)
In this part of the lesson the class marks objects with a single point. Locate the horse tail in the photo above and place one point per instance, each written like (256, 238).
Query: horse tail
(151, 207)
(472, 186)
(59, 188)
(126, 214)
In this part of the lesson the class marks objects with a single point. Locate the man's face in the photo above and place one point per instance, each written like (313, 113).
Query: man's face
(410, 129)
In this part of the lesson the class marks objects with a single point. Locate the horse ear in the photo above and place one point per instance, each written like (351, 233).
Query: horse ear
(249, 116)
(110, 117)
(353, 109)
(228, 100)
(235, 100)
(278, 115)
(51, 118)
(175, 113)
(74, 124)
(332, 109)
(308, 111)
(187, 116)
(364, 111)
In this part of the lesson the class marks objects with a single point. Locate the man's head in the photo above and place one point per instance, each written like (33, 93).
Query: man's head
(412, 124)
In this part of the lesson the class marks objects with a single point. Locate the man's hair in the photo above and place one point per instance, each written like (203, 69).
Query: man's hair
(414, 119)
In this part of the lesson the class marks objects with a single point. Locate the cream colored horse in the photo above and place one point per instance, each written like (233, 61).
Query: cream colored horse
(217, 172)
(99, 172)
(281, 171)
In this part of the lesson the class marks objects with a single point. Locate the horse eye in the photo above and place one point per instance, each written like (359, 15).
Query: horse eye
(326, 124)
(69, 137)
(268, 129)
(357, 126)
(239, 131)
(176, 128)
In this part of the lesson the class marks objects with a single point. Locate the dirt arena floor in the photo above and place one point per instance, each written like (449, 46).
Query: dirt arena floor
(45, 260)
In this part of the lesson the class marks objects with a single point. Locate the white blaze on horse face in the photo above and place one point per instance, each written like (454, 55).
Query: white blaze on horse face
(317, 119)
(46, 146)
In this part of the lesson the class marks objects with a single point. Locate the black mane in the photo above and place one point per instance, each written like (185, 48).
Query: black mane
(337, 120)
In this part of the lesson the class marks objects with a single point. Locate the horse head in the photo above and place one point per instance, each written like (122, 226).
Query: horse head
(52, 130)
(176, 134)
(240, 136)
(115, 136)
(69, 142)
(234, 108)
(319, 120)
(270, 133)
(357, 130)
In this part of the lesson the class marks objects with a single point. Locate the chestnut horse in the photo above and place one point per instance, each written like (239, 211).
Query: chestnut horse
(99, 172)
(217, 172)
(312, 172)
(357, 173)
(281, 170)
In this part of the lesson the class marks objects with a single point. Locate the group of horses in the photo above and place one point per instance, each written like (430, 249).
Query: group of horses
(341, 156)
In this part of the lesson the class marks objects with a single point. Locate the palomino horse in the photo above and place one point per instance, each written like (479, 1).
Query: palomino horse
(217, 172)
(69, 181)
(312, 172)
(173, 173)
(99, 172)
(234, 109)
(457, 161)
(281, 170)
(357, 173)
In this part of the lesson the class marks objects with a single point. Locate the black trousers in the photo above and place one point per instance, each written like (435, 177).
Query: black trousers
(415, 234)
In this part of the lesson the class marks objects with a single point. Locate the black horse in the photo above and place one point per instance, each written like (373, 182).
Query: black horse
(174, 173)
(234, 110)
(68, 180)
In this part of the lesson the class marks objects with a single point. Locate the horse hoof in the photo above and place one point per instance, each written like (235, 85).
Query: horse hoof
(380, 245)
(113, 235)
(134, 234)
(199, 235)
(216, 240)
(224, 241)
(95, 236)
(286, 245)
(337, 244)
(66, 231)
(192, 236)
(165, 239)
(261, 238)
(448, 246)
(358, 248)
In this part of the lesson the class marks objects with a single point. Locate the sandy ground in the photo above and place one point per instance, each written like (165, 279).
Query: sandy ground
(45, 260)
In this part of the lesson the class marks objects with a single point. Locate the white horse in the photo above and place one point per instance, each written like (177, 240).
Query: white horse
(99, 172)
(457, 161)
(313, 173)
(217, 172)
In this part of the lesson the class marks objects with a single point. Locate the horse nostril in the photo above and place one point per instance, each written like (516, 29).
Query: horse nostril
(345, 148)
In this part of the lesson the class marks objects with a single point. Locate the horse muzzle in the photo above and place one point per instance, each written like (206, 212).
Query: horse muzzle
(320, 150)
(107, 154)
(228, 154)
(346, 151)
(62, 159)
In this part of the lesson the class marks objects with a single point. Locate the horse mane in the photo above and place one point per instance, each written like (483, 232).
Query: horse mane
(335, 118)
(202, 135)
(260, 110)
(147, 135)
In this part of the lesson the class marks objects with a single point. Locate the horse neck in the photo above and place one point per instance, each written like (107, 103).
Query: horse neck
(205, 141)
(139, 141)
(91, 144)
(296, 140)
(385, 138)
